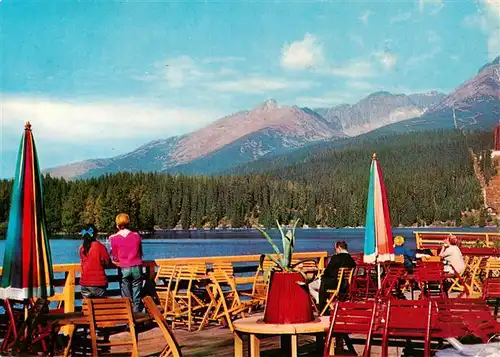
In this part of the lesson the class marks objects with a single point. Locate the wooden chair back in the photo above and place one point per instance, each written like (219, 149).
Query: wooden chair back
(105, 313)
(492, 268)
(172, 347)
(226, 267)
(399, 259)
(166, 275)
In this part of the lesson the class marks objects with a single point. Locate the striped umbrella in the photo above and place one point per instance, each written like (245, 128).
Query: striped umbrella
(27, 265)
(378, 230)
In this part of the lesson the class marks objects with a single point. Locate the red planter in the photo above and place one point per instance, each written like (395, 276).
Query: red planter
(287, 301)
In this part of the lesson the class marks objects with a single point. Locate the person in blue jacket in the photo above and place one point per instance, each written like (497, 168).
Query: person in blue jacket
(400, 249)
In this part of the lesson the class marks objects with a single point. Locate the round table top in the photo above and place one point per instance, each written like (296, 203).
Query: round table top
(255, 325)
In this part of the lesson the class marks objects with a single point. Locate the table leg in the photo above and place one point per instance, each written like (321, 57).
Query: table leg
(294, 345)
(254, 346)
(285, 344)
(238, 345)
(320, 343)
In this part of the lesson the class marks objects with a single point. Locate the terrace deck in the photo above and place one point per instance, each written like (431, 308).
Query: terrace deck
(218, 341)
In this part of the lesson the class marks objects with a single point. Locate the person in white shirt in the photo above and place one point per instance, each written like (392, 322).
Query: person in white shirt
(452, 255)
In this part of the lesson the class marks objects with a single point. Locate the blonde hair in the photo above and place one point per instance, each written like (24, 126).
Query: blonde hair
(399, 240)
(122, 220)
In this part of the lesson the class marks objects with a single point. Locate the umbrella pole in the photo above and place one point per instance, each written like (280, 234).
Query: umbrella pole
(378, 275)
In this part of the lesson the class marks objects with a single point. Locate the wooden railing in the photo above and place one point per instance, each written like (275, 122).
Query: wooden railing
(434, 240)
(67, 276)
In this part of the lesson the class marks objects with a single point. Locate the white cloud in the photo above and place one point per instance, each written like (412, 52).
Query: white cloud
(258, 85)
(491, 26)
(365, 16)
(487, 19)
(72, 121)
(432, 6)
(401, 17)
(302, 54)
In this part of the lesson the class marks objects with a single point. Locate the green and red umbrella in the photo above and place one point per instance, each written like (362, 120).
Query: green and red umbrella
(27, 266)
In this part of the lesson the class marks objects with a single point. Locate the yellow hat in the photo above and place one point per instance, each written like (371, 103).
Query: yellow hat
(399, 240)
(122, 220)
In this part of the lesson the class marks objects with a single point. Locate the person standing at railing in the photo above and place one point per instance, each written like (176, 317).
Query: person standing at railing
(126, 249)
(94, 259)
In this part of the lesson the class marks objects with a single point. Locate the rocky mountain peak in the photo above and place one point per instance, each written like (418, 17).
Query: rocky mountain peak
(269, 104)
(495, 62)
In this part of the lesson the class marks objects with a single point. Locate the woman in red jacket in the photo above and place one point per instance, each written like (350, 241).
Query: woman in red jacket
(94, 260)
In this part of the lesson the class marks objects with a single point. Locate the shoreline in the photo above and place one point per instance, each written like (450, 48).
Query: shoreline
(152, 234)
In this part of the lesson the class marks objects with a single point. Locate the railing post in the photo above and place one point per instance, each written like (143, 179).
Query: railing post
(69, 297)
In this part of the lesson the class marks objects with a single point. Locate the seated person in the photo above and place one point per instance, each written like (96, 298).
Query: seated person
(400, 249)
(341, 259)
(452, 256)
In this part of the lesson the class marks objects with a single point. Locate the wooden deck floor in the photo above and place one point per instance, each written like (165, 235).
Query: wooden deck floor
(218, 342)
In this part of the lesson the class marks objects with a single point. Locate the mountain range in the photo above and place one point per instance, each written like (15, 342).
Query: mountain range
(272, 129)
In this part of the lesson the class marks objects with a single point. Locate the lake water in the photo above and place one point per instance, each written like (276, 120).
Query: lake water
(175, 244)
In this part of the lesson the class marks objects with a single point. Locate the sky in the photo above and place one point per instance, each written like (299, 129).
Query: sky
(97, 79)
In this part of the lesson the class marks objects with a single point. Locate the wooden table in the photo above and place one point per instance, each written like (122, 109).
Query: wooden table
(256, 329)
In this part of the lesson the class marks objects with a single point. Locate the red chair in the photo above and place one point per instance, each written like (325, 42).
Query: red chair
(391, 284)
(430, 277)
(491, 291)
(350, 318)
(451, 315)
(364, 282)
(411, 319)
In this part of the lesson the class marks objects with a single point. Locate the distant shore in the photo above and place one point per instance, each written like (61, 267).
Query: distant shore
(151, 234)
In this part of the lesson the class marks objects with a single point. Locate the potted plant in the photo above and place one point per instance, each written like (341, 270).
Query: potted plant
(288, 299)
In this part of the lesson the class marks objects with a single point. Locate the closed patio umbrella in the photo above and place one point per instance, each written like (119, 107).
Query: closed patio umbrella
(378, 244)
(27, 265)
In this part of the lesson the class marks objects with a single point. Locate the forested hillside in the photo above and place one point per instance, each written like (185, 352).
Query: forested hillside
(429, 177)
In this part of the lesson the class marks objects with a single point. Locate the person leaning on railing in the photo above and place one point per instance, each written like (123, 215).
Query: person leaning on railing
(126, 249)
(94, 260)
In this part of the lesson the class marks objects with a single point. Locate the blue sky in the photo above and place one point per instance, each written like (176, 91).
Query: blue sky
(99, 79)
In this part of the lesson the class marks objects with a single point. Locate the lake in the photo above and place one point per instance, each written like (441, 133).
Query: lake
(174, 244)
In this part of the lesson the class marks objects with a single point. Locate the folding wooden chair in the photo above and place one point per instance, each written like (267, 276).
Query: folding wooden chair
(172, 348)
(309, 267)
(226, 267)
(166, 275)
(226, 303)
(106, 313)
(344, 277)
(492, 268)
(468, 282)
(350, 318)
(261, 281)
(187, 295)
